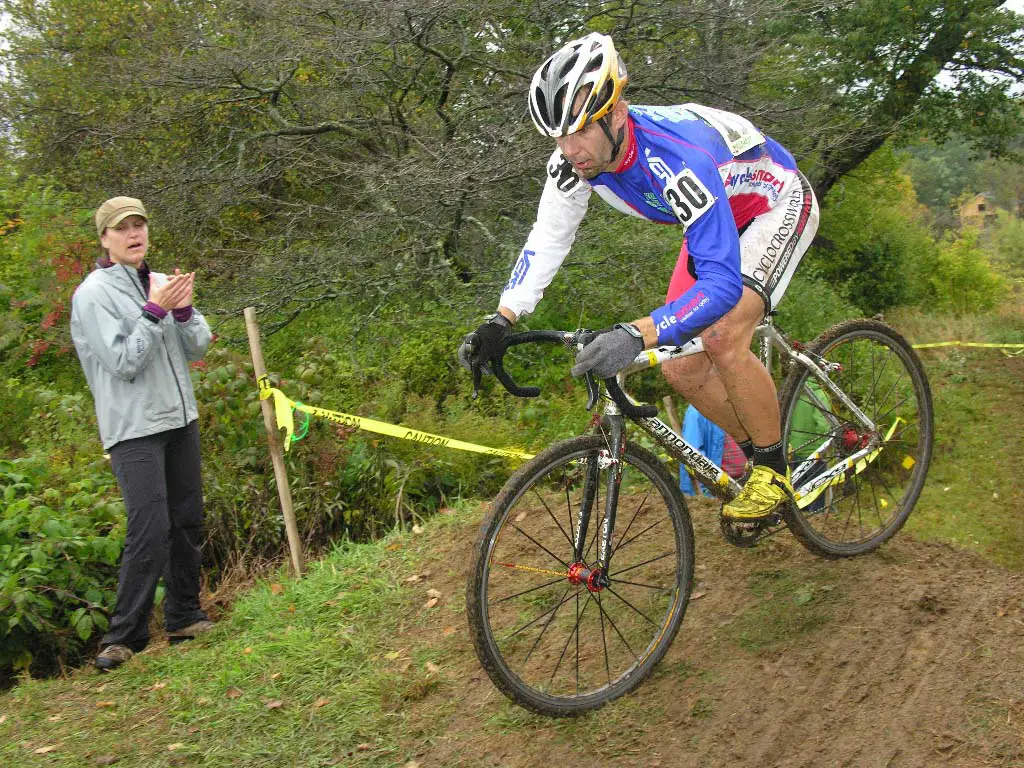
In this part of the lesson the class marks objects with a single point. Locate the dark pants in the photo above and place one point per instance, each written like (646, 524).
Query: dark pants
(161, 481)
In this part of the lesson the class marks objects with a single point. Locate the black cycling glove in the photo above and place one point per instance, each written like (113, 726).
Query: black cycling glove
(486, 343)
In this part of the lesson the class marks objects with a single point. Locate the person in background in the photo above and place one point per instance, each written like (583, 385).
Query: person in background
(715, 443)
(135, 332)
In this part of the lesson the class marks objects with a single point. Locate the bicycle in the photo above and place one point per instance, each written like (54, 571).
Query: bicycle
(582, 568)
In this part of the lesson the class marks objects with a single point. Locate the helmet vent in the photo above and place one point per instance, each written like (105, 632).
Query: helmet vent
(542, 106)
(567, 67)
(559, 105)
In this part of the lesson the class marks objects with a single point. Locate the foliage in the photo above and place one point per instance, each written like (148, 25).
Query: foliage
(874, 244)
(370, 154)
(964, 282)
(61, 531)
(44, 254)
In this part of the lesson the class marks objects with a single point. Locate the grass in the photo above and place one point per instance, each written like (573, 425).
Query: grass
(270, 687)
(788, 608)
(972, 497)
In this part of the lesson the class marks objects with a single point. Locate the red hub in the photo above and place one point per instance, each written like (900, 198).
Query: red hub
(593, 578)
(853, 440)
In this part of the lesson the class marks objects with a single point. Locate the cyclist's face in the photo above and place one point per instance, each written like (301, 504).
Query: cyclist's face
(588, 150)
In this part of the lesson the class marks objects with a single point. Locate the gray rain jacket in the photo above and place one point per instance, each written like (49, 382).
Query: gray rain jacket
(137, 369)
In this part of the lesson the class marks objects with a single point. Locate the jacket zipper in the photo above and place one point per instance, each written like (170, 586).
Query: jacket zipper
(167, 353)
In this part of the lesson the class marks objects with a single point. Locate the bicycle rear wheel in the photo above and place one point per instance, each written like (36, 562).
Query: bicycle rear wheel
(549, 639)
(856, 486)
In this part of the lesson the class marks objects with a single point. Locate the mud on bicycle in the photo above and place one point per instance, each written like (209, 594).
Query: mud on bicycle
(583, 566)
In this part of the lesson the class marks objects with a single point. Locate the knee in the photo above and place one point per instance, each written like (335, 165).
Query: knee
(725, 347)
(684, 372)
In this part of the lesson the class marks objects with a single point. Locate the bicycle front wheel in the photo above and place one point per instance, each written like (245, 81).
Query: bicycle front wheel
(552, 638)
(856, 484)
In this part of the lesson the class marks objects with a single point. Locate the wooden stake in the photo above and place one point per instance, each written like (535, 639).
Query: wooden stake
(252, 328)
(672, 413)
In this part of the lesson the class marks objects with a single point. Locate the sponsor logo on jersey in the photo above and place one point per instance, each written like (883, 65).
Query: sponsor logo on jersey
(653, 200)
(758, 179)
(780, 248)
(519, 270)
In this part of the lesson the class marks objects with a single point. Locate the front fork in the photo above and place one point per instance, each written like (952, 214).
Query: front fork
(596, 577)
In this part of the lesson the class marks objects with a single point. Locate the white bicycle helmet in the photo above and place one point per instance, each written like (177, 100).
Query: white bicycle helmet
(577, 85)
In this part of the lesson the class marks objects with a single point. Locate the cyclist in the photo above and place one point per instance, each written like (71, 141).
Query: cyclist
(747, 214)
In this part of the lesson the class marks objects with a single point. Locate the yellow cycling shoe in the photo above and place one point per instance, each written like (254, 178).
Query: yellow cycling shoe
(762, 495)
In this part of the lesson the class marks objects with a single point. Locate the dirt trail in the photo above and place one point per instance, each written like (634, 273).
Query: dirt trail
(913, 656)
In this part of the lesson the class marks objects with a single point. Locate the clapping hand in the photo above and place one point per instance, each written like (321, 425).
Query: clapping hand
(176, 292)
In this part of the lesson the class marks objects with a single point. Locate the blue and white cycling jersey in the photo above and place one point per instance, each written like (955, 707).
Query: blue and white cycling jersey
(710, 171)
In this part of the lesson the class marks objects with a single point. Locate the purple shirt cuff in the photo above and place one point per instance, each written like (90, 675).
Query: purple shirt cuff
(182, 314)
(154, 309)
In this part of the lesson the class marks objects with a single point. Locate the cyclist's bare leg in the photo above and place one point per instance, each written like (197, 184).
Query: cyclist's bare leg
(728, 383)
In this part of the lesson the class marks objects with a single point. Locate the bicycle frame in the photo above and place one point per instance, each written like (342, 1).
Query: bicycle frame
(712, 476)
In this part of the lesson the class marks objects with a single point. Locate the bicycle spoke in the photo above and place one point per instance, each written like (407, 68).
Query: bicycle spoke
(527, 591)
(638, 612)
(551, 514)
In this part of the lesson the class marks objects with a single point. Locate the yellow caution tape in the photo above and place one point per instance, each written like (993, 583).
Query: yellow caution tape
(283, 408)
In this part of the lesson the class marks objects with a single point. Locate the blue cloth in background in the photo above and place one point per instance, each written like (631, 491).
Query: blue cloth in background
(705, 436)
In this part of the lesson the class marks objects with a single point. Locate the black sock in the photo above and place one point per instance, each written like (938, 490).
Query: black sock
(747, 446)
(771, 456)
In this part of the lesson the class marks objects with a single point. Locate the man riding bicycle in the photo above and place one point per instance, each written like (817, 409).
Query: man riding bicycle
(748, 216)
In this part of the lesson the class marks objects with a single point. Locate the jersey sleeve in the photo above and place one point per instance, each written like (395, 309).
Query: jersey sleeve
(697, 196)
(563, 203)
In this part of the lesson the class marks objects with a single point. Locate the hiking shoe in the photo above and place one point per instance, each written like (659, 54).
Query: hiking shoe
(112, 657)
(190, 632)
(764, 492)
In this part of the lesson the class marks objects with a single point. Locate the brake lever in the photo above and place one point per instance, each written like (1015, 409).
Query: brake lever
(477, 377)
(592, 390)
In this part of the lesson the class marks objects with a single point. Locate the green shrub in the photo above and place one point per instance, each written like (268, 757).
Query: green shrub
(963, 281)
(60, 539)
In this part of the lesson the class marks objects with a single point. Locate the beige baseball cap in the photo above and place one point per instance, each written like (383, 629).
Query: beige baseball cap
(116, 209)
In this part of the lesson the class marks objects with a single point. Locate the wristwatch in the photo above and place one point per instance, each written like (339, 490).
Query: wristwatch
(631, 329)
(498, 319)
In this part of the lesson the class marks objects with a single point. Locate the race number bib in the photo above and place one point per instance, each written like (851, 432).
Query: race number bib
(563, 173)
(687, 197)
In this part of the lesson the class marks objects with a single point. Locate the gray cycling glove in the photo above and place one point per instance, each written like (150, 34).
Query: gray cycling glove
(610, 352)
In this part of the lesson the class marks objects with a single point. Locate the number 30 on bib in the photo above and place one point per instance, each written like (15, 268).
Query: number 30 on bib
(687, 196)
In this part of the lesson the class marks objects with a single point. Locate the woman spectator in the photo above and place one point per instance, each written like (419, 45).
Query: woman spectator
(135, 332)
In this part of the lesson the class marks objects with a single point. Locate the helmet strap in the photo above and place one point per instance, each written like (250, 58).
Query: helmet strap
(615, 141)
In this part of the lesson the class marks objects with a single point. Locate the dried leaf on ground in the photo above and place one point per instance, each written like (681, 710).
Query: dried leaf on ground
(277, 589)
(273, 704)
(321, 702)
(102, 704)
(430, 603)
(233, 693)
(432, 668)
(107, 759)
(175, 746)
(44, 750)
(434, 593)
